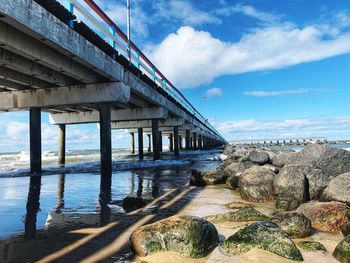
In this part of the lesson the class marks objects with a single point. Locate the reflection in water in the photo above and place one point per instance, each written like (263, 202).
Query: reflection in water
(140, 187)
(105, 198)
(33, 207)
(60, 193)
(155, 184)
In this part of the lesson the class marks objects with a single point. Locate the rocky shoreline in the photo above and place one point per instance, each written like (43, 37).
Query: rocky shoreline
(311, 194)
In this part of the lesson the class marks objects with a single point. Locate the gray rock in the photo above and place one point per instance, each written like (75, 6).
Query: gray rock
(190, 236)
(295, 224)
(263, 235)
(338, 189)
(255, 184)
(298, 183)
(258, 157)
(237, 167)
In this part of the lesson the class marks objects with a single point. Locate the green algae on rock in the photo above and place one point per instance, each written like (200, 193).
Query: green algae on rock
(262, 235)
(237, 205)
(190, 236)
(345, 229)
(243, 214)
(311, 246)
(295, 224)
(342, 250)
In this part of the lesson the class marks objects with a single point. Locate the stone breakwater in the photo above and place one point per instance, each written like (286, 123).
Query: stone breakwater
(310, 190)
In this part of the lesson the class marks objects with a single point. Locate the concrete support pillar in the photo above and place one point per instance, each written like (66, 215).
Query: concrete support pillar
(176, 140)
(35, 140)
(155, 139)
(191, 143)
(187, 140)
(194, 141)
(132, 143)
(140, 139)
(160, 141)
(61, 145)
(149, 143)
(180, 142)
(105, 143)
(171, 143)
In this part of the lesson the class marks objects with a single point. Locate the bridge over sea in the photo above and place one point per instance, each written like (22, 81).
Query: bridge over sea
(282, 140)
(89, 71)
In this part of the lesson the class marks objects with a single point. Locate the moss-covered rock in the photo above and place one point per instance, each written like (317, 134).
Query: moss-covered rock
(217, 176)
(255, 184)
(345, 229)
(237, 205)
(237, 167)
(295, 224)
(263, 235)
(326, 216)
(232, 181)
(190, 236)
(342, 250)
(311, 246)
(196, 178)
(244, 214)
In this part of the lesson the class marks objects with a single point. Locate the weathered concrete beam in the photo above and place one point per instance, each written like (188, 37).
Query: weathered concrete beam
(22, 79)
(147, 123)
(166, 130)
(25, 15)
(81, 94)
(28, 67)
(15, 41)
(12, 85)
(117, 115)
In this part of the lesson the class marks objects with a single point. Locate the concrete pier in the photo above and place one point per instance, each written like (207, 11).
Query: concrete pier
(180, 142)
(176, 140)
(187, 140)
(35, 140)
(155, 139)
(140, 140)
(160, 141)
(171, 143)
(149, 149)
(194, 141)
(105, 142)
(61, 145)
(132, 143)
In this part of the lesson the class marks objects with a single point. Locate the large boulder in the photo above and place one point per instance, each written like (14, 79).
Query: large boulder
(298, 183)
(342, 250)
(232, 181)
(190, 236)
(243, 214)
(295, 224)
(331, 160)
(255, 184)
(210, 177)
(237, 167)
(345, 229)
(326, 216)
(258, 157)
(338, 189)
(263, 235)
(131, 203)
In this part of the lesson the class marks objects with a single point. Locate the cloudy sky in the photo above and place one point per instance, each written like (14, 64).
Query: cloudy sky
(254, 68)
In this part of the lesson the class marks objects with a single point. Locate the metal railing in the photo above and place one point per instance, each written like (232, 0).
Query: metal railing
(118, 40)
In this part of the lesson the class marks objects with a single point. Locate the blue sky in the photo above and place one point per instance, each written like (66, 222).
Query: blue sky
(266, 68)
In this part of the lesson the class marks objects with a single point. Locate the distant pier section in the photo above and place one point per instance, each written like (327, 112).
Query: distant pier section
(280, 141)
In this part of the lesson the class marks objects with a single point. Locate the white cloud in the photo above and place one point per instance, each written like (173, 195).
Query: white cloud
(336, 127)
(248, 11)
(278, 93)
(214, 92)
(200, 58)
(183, 11)
(17, 130)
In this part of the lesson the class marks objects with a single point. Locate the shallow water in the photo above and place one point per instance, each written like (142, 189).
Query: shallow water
(63, 199)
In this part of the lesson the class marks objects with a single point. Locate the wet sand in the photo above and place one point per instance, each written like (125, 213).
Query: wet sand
(212, 200)
(109, 242)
